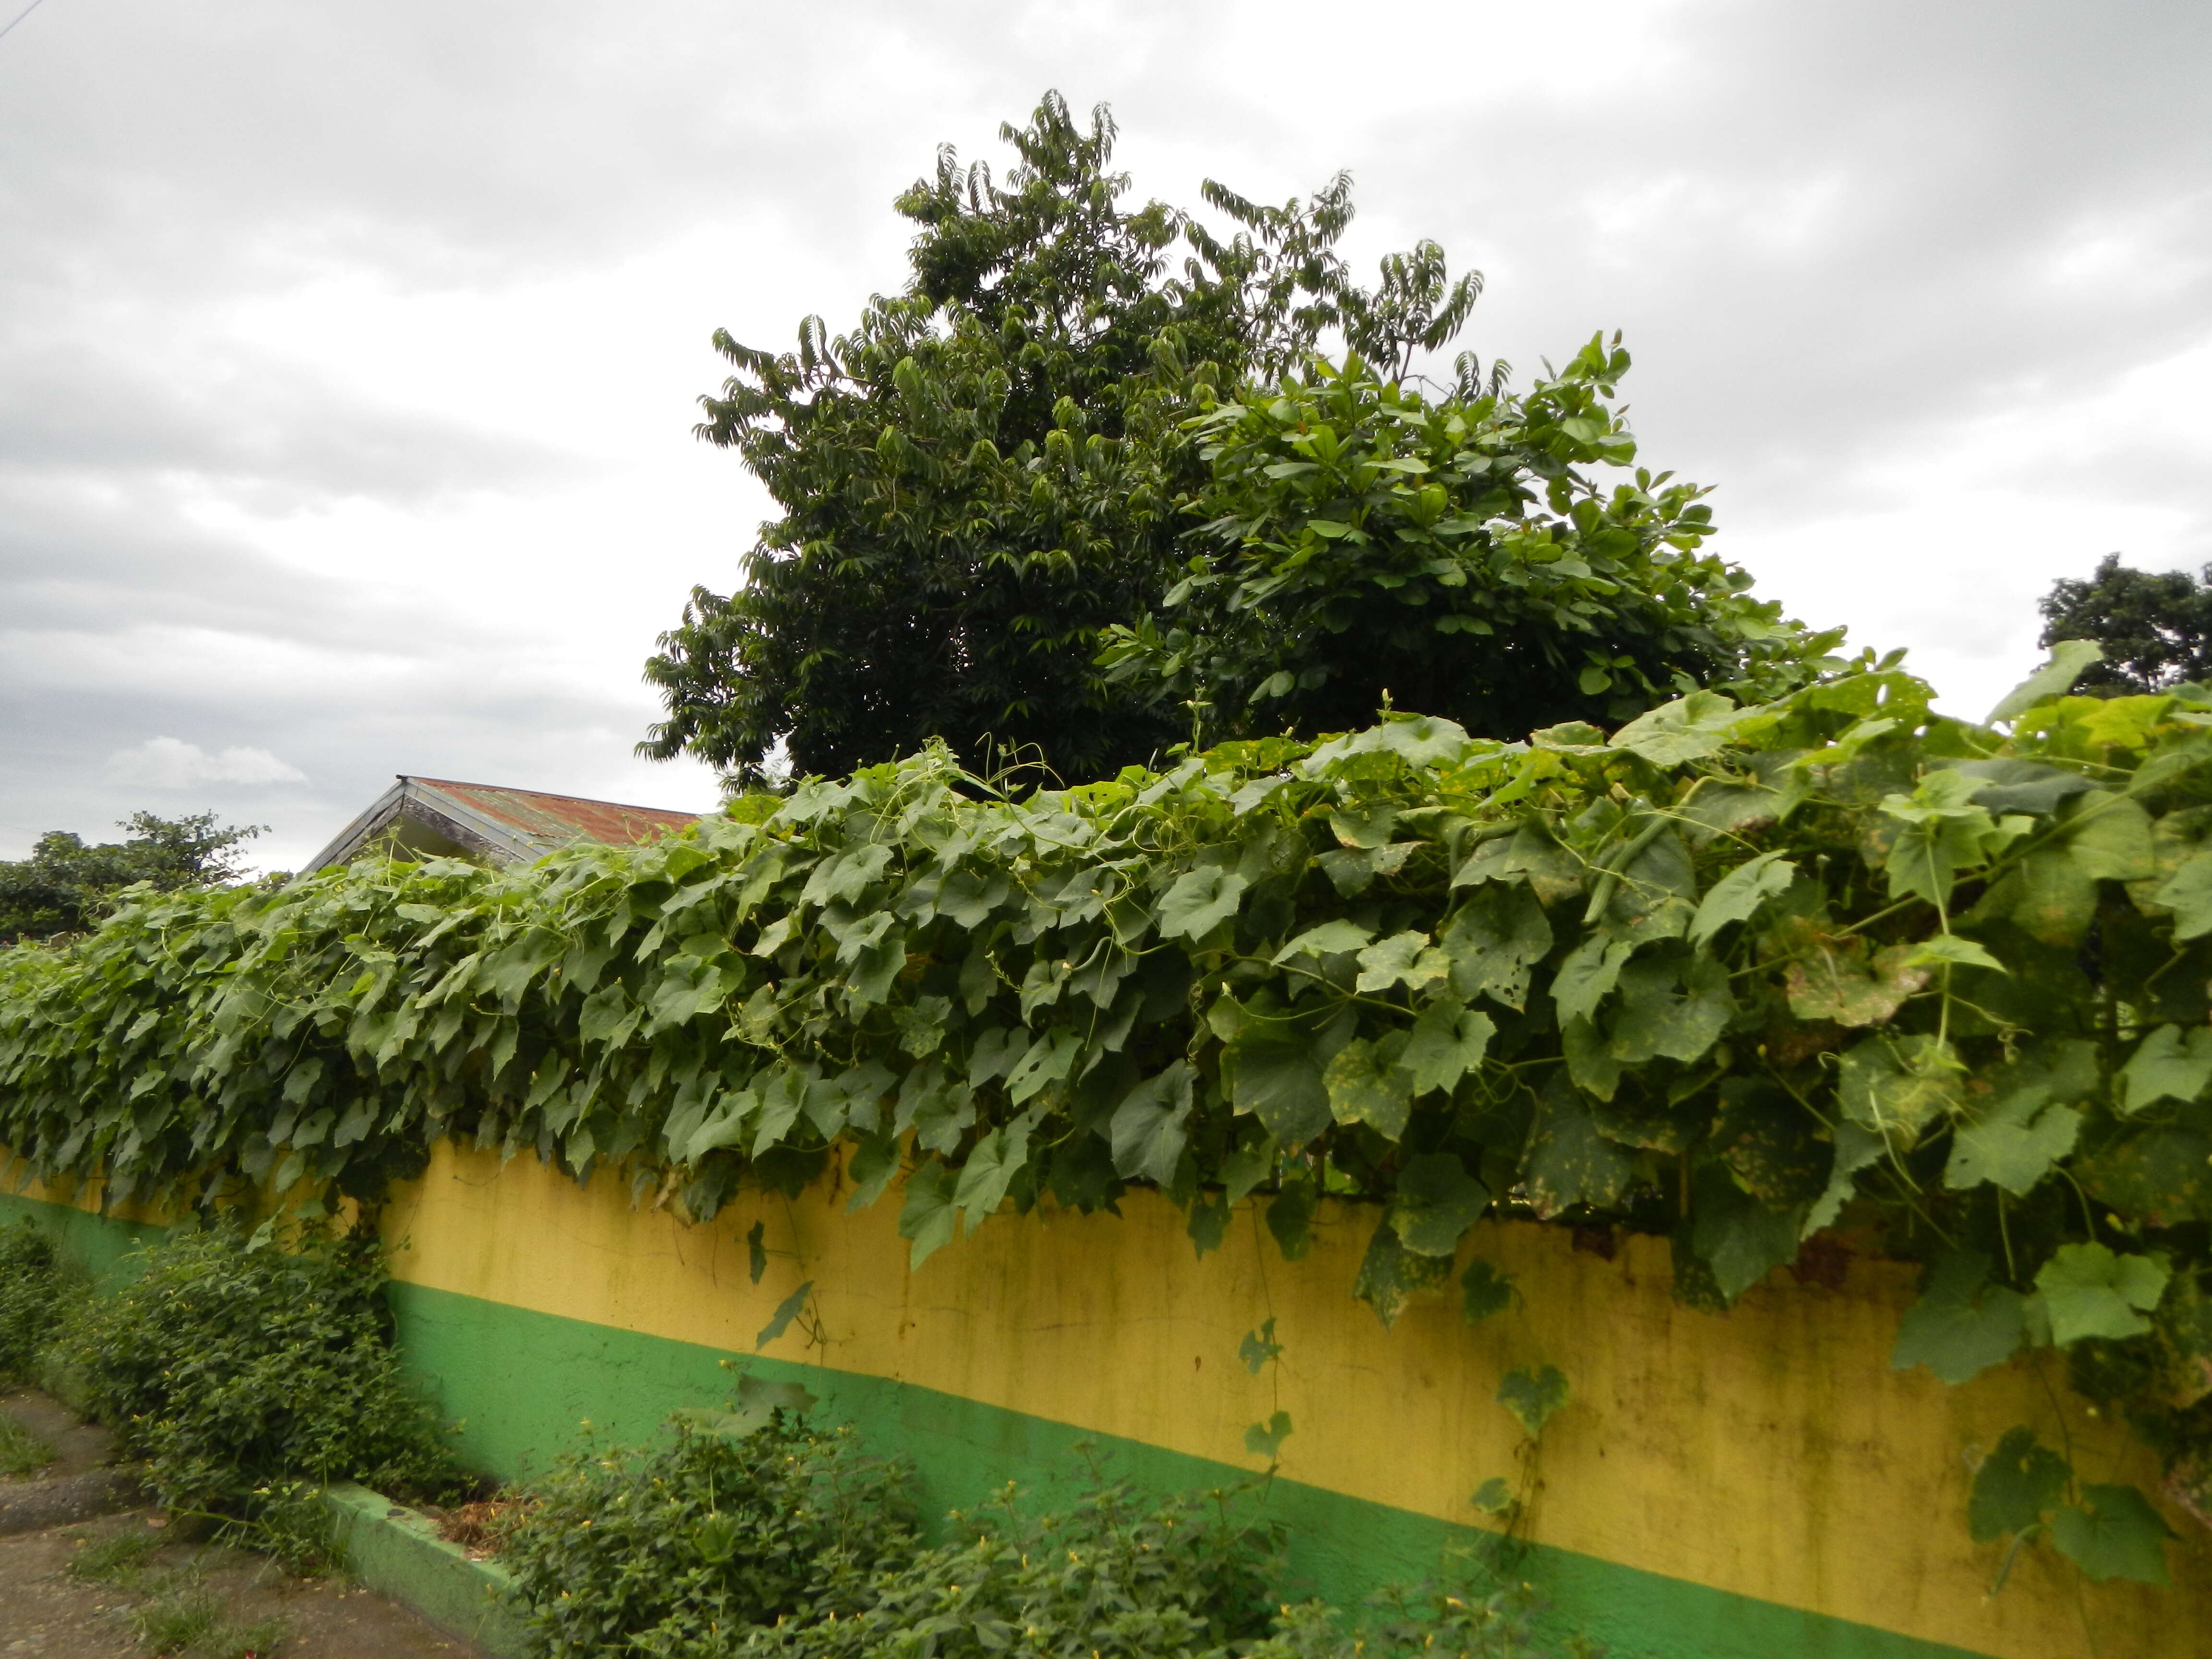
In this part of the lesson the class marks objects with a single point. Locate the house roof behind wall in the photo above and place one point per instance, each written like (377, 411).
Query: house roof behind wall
(486, 821)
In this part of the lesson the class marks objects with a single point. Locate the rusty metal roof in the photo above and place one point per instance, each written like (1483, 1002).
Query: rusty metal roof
(486, 821)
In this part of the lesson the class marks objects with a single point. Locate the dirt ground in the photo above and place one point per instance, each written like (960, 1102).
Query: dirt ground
(242, 1604)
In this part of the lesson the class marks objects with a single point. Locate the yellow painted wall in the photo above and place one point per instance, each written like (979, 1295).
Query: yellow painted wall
(1770, 1451)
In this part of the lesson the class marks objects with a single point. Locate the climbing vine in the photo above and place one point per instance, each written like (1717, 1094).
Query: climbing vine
(1835, 967)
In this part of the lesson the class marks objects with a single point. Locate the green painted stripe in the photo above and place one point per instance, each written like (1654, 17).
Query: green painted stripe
(520, 1383)
(523, 1381)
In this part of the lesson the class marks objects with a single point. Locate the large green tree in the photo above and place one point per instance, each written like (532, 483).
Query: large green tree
(1460, 554)
(66, 886)
(987, 471)
(2155, 630)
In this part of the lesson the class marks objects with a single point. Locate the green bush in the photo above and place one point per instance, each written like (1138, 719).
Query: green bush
(232, 1366)
(667, 1552)
(30, 1297)
(1114, 1578)
(1465, 1612)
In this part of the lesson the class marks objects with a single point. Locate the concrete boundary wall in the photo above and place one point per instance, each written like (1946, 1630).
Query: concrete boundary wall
(1751, 1485)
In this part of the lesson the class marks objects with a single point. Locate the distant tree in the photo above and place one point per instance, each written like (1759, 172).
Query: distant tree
(65, 886)
(2156, 630)
(988, 470)
(1453, 554)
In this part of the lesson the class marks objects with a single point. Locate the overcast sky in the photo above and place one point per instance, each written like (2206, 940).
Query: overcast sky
(348, 354)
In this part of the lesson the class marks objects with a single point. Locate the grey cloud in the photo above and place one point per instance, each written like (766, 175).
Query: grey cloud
(1838, 241)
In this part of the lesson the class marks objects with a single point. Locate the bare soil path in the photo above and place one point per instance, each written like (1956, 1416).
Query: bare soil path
(157, 1586)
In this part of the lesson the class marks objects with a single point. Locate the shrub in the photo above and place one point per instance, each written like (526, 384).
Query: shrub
(1113, 1578)
(1463, 1613)
(30, 1295)
(666, 1551)
(233, 1366)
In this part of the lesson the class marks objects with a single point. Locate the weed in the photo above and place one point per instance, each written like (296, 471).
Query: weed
(181, 1620)
(22, 1452)
(244, 1641)
(30, 1297)
(114, 1559)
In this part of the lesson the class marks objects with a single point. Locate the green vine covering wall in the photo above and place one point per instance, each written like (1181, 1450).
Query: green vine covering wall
(1834, 966)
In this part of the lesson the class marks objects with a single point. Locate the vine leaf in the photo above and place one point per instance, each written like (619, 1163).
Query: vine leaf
(1534, 1396)
(1494, 1496)
(1406, 959)
(1260, 1346)
(1366, 1087)
(1148, 1128)
(2026, 1123)
(1390, 1275)
(1289, 1218)
(1951, 951)
(2113, 1533)
(875, 1161)
(2166, 1065)
(1737, 896)
(1485, 1291)
(756, 1251)
(786, 1311)
(1494, 941)
(1833, 979)
(927, 1216)
(1686, 729)
(2014, 1485)
(993, 1163)
(2069, 660)
(2089, 1290)
(1265, 1439)
(1437, 1202)
(1199, 901)
(1897, 1086)
(1569, 1162)
(1274, 1072)
(2188, 894)
(1740, 1239)
(1856, 1148)
(1335, 938)
(1446, 1043)
(1962, 1324)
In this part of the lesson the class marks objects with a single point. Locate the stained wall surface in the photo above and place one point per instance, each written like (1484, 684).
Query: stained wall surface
(1753, 1483)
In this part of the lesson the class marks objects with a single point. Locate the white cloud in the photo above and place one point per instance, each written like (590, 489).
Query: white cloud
(173, 764)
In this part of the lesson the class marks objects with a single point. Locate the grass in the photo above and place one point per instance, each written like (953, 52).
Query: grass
(22, 1452)
(182, 1617)
(178, 1621)
(115, 1559)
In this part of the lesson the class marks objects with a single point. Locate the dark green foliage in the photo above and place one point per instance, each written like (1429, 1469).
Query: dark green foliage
(987, 470)
(30, 1298)
(65, 886)
(1740, 975)
(1114, 1578)
(679, 1550)
(2155, 630)
(1364, 545)
(233, 1366)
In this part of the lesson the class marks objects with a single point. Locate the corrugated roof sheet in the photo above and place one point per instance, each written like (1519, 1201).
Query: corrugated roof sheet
(557, 820)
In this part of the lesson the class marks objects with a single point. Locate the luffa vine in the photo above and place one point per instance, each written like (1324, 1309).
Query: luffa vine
(1752, 977)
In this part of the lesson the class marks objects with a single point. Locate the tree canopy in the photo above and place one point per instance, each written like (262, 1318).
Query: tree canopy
(1366, 544)
(987, 471)
(992, 489)
(2155, 630)
(66, 887)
